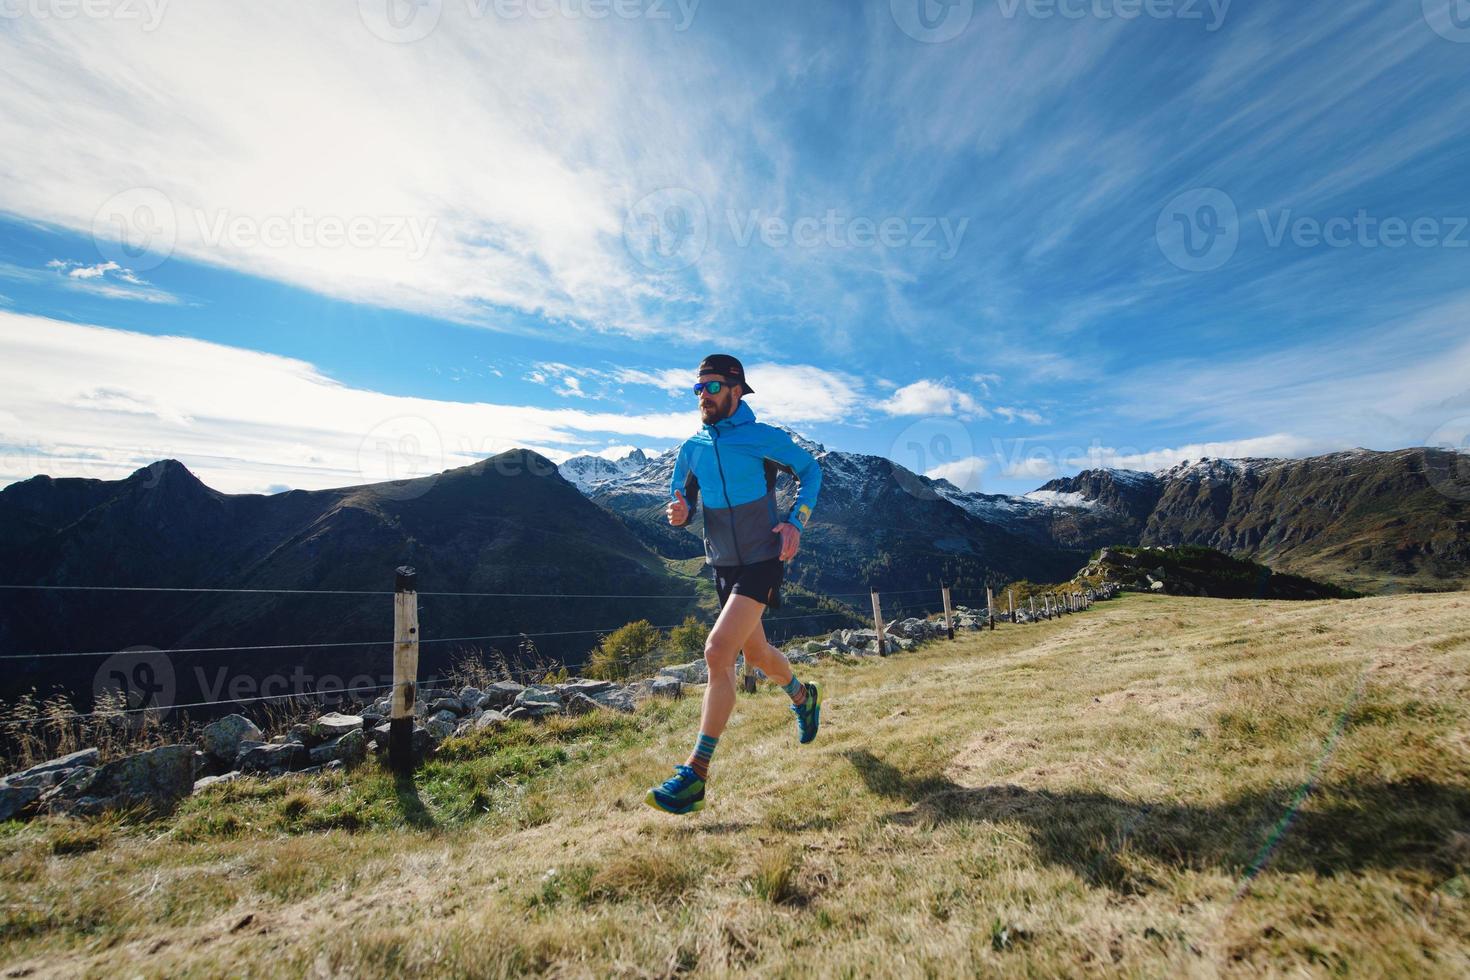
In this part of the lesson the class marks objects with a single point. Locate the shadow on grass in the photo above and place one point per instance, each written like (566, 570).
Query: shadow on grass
(1337, 828)
(413, 808)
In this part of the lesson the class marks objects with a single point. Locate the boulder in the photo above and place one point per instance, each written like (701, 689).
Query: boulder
(208, 781)
(445, 715)
(580, 686)
(14, 799)
(349, 748)
(581, 704)
(470, 696)
(335, 725)
(81, 757)
(222, 738)
(452, 705)
(667, 687)
(490, 719)
(273, 760)
(438, 728)
(421, 744)
(501, 694)
(157, 779)
(616, 698)
(694, 672)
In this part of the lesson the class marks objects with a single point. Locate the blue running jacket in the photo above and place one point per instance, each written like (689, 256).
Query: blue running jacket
(735, 463)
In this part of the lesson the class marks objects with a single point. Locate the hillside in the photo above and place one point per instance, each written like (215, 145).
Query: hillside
(1158, 787)
(509, 524)
(1192, 570)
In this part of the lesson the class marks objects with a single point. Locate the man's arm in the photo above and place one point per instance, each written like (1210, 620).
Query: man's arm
(684, 482)
(804, 466)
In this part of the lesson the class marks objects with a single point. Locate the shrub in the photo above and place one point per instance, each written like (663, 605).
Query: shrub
(625, 652)
(689, 637)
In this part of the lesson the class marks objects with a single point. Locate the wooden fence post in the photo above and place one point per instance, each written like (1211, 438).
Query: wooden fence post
(1033, 608)
(990, 608)
(405, 669)
(1011, 594)
(878, 625)
(948, 613)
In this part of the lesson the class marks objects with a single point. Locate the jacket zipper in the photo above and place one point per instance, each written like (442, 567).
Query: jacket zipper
(734, 538)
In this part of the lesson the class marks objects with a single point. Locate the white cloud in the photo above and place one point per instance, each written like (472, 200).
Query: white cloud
(793, 393)
(1024, 414)
(1039, 467)
(97, 402)
(1280, 445)
(927, 397)
(964, 473)
(672, 380)
(517, 180)
(92, 279)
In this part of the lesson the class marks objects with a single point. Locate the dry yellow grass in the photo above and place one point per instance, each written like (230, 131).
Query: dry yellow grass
(1158, 787)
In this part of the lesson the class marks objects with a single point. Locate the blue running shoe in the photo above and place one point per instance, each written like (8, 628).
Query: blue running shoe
(683, 792)
(808, 713)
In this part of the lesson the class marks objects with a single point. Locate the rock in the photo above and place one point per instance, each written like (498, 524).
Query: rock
(208, 781)
(501, 694)
(903, 643)
(157, 778)
(14, 799)
(335, 725)
(535, 709)
(438, 728)
(274, 760)
(453, 706)
(812, 646)
(490, 719)
(667, 687)
(81, 757)
(470, 696)
(694, 672)
(421, 742)
(517, 714)
(301, 733)
(349, 748)
(1155, 586)
(581, 704)
(444, 715)
(222, 738)
(616, 698)
(589, 688)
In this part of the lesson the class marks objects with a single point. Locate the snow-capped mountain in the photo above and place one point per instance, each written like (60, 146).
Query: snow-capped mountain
(588, 473)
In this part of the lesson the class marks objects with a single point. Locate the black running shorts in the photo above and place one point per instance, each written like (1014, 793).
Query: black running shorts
(760, 581)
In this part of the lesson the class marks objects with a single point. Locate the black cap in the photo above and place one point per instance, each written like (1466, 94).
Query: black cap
(727, 365)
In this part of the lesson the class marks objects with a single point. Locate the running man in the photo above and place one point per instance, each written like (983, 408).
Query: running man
(734, 461)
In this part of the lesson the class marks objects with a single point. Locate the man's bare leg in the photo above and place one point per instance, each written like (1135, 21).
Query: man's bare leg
(740, 617)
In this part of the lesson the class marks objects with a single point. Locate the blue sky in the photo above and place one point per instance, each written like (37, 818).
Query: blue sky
(305, 245)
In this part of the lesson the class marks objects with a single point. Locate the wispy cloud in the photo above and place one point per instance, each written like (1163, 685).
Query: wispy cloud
(90, 401)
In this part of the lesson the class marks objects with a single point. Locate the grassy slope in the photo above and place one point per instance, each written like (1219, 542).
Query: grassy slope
(1086, 794)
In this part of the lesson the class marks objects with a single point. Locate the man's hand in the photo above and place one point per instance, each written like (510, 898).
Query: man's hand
(678, 510)
(790, 540)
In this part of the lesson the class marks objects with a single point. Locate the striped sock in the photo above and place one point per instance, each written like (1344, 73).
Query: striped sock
(795, 690)
(703, 750)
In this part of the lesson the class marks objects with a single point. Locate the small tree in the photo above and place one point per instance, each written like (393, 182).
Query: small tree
(624, 651)
(689, 636)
